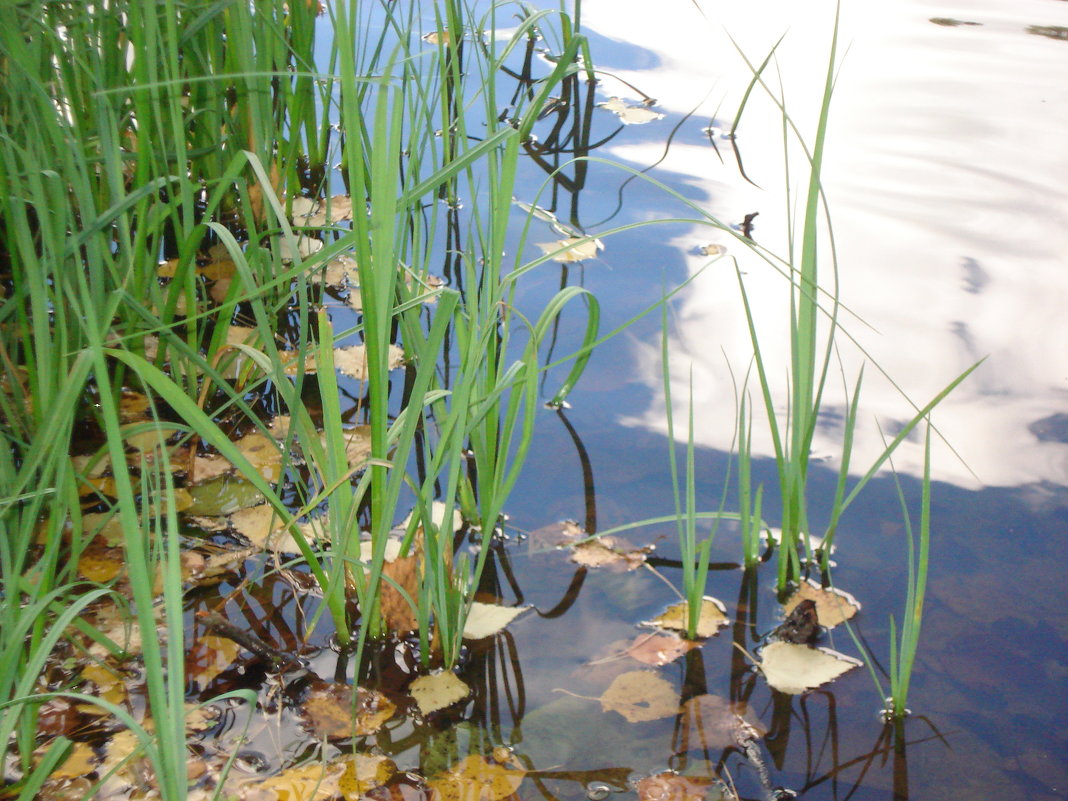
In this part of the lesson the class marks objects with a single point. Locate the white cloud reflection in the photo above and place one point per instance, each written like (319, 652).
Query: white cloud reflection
(947, 174)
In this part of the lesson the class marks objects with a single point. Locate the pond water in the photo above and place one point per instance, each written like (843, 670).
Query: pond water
(945, 176)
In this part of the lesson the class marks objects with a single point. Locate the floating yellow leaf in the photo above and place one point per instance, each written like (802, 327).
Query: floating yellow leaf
(312, 782)
(641, 695)
(476, 779)
(485, 620)
(209, 656)
(101, 564)
(713, 617)
(364, 772)
(352, 360)
(832, 606)
(791, 668)
(578, 249)
(79, 762)
(438, 37)
(329, 711)
(630, 114)
(437, 691)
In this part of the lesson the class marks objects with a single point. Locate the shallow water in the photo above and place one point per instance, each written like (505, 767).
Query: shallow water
(946, 180)
(945, 176)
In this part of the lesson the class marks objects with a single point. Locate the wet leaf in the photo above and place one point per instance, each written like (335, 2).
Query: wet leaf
(670, 786)
(263, 454)
(311, 782)
(713, 617)
(578, 249)
(608, 552)
(485, 620)
(832, 606)
(105, 527)
(110, 684)
(352, 360)
(329, 712)
(555, 535)
(438, 37)
(476, 779)
(641, 695)
(630, 114)
(659, 649)
(209, 656)
(305, 247)
(793, 669)
(81, 761)
(101, 564)
(262, 526)
(223, 495)
(718, 723)
(713, 249)
(437, 691)
(364, 772)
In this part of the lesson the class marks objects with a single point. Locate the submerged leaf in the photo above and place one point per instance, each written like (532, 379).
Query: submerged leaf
(713, 617)
(793, 669)
(485, 620)
(719, 723)
(641, 695)
(209, 656)
(670, 786)
(659, 649)
(437, 691)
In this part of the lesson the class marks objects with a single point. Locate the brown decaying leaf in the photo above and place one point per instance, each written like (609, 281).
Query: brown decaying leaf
(710, 621)
(659, 649)
(641, 695)
(670, 786)
(437, 691)
(717, 723)
(609, 552)
(476, 778)
(328, 711)
(396, 610)
(832, 606)
(101, 564)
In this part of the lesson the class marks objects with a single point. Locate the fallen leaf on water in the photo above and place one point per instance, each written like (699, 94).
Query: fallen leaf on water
(305, 247)
(101, 564)
(670, 786)
(555, 535)
(329, 712)
(713, 617)
(659, 649)
(793, 669)
(81, 761)
(485, 620)
(262, 453)
(832, 606)
(608, 552)
(718, 723)
(364, 772)
(316, 781)
(438, 37)
(352, 360)
(209, 656)
(110, 684)
(713, 249)
(437, 691)
(641, 695)
(476, 779)
(630, 114)
(578, 249)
